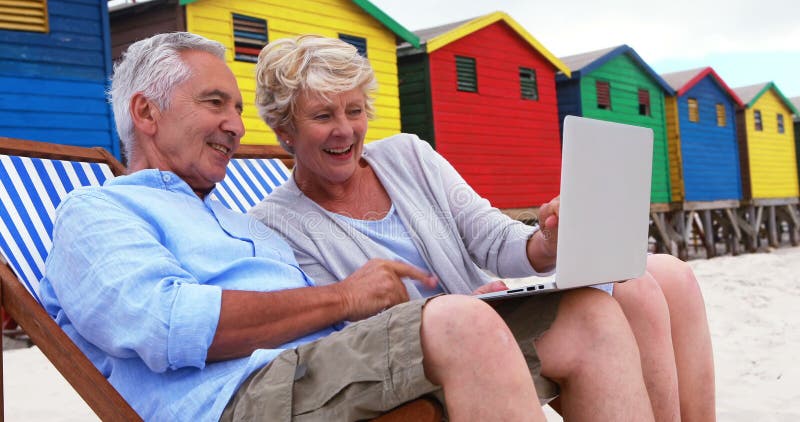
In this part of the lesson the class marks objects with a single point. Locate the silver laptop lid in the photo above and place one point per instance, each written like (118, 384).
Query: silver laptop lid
(605, 202)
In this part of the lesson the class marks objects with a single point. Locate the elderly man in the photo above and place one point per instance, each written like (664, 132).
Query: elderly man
(195, 312)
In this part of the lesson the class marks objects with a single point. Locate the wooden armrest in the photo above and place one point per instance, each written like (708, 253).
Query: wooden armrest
(423, 409)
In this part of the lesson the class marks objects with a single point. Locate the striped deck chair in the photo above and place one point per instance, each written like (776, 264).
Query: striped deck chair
(34, 178)
(248, 181)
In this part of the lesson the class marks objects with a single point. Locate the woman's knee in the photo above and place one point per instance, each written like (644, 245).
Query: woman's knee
(642, 300)
(675, 277)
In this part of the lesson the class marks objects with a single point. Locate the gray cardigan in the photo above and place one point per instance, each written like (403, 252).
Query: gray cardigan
(455, 230)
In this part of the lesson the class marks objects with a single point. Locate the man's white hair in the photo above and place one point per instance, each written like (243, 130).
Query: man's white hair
(152, 66)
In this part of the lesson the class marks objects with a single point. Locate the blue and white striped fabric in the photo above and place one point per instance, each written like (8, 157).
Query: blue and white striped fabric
(248, 181)
(31, 190)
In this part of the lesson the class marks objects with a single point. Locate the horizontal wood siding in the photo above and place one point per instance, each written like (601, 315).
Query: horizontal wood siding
(742, 122)
(52, 85)
(674, 149)
(505, 147)
(569, 102)
(773, 159)
(797, 145)
(626, 78)
(709, 152)
(416, 114)
(145, 20)
(212, 19)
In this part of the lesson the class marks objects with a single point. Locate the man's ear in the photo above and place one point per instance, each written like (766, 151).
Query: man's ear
(144, 114)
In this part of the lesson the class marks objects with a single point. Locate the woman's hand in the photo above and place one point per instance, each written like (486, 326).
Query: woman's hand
(543, 245)
(548, 223)
(491, 287)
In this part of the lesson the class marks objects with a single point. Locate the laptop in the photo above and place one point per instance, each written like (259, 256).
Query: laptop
(605, 202)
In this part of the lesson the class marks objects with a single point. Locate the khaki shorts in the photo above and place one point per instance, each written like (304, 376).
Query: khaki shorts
(370, 367)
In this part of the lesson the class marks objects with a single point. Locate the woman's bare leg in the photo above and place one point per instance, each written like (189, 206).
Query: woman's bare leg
(690, 336)
(648, 315)
(591, 353)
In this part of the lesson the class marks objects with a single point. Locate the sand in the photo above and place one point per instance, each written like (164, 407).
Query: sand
(752, 305)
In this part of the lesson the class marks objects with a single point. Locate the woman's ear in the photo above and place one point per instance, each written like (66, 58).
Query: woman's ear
(283, 134)
(144, 114)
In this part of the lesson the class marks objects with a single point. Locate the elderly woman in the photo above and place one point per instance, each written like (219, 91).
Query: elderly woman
(397, 198)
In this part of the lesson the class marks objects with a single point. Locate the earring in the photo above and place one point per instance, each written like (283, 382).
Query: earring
(287, 141)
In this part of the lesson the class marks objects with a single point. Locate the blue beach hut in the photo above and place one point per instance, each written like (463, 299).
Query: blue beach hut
(701, 137)
(703, 150)
(55, 62)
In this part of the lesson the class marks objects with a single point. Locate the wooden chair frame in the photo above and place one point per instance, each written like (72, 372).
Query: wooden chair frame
(67, 358)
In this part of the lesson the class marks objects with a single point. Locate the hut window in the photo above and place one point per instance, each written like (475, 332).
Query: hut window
(24, 15)
(527, 84)
(359, 43)
(780, 123)
(757, 119)
(644, 102)
(466, 74)
(249, 37)
(694, 110)
(721, 122)
(603, 95)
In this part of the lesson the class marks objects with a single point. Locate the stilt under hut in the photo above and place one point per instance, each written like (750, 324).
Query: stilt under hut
(769, 163)
(704, 159)
(482, 92)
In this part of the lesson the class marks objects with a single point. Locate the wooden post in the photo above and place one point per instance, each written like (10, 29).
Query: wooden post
(737, 233)
(683, 244)
(772, 227)
(663, 242)
(708, 239)
(794, 223)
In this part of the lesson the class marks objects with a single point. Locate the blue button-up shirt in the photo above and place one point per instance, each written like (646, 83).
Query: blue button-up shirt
(135, 278)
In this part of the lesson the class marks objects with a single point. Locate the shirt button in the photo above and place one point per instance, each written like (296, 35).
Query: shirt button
(166, 177)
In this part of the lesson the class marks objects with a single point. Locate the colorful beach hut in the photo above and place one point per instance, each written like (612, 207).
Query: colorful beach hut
(704, 152)
(54, 66)
(769, 157)
(615, 84)
(482, 92)
(245, 26)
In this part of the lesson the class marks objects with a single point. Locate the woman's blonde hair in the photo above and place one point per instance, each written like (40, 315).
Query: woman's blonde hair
(308, 65)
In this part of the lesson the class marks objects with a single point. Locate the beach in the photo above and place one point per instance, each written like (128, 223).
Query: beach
(755, 329)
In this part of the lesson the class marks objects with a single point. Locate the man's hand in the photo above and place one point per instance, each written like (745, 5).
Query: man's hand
(377, 286)
(491, 287)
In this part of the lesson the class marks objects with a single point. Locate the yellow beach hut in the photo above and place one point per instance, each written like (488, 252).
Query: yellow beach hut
(245, 26)
(768, 159)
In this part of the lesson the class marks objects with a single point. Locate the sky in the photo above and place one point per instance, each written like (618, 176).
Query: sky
(745, 41)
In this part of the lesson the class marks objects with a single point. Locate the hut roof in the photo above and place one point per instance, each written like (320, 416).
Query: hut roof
(587, 62)
(751, 93)
(379, 15)
(684, 80)
(437, 37)
(796, 103)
